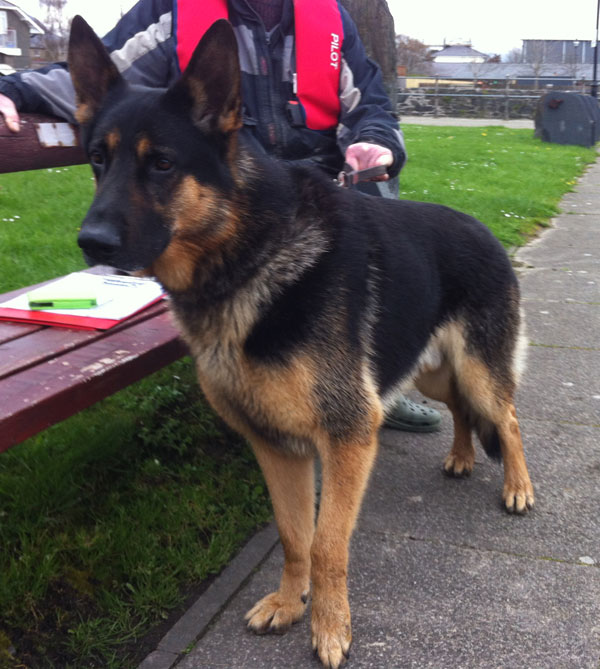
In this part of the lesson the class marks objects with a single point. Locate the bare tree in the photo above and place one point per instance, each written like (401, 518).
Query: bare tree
(476, 70)
(376, 27)
(535, 54)
(56, 37)
(572, 65)
(413, 55)
(514, 56)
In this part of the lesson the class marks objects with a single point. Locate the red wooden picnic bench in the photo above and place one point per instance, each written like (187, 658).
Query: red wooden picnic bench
(50, 373)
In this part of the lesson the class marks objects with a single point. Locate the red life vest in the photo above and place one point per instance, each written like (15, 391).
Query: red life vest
(319, 34)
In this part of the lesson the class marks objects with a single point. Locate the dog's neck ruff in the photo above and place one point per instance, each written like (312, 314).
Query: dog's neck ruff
(319, 35)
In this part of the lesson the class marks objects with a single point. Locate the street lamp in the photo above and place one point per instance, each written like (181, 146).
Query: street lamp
(594, 89)
(575, 45)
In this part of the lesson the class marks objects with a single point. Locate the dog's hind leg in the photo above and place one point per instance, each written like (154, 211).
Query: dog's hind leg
(480, 399)
(290, 480)
(461, 459)
(488, 405)
(345, 467)
(438, 385)
(518, 491)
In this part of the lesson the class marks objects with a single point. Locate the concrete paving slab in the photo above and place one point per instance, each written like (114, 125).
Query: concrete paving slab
(575, 222)
(434, 607)
(517, 123)
(467, 608)
(584, 223)
(575, 247)
(561, 385)
(565, 259)
(569, 324)
(410, 494)
(585, 191)
(588, 178)
(585, 202)
(563, 284)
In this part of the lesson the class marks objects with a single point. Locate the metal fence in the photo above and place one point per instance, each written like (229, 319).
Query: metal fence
(494, 98)
(532, 83)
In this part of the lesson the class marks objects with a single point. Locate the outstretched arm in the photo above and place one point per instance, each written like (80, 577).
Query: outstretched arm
(141, 46)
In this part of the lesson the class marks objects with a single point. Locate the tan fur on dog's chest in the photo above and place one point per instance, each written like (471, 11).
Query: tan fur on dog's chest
(247, 392)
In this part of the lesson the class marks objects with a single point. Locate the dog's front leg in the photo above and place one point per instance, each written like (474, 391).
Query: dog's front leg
(346, 469)
(291, 484)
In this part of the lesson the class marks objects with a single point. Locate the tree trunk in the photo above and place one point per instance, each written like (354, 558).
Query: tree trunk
(376, 27)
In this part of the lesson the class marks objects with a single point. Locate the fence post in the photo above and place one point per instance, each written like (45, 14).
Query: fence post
(436, 108)
(507, 105)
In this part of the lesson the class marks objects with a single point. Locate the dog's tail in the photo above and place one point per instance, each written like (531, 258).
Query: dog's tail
(487, 434)
(484, 395)
(486, 380)
(484, 428)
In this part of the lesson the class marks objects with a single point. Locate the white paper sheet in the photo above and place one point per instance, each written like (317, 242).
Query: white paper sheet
(118, 296)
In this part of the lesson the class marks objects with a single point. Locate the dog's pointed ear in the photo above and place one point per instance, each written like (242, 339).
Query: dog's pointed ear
(210, 86)
(92, 71)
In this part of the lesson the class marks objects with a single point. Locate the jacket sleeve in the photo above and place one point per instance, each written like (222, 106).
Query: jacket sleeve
(141, 46)
(366, 110)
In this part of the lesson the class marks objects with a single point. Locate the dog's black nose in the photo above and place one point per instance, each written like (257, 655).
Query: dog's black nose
(99, 241)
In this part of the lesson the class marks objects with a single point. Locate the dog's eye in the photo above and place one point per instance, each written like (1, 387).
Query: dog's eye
(97, 158)
(163, 164)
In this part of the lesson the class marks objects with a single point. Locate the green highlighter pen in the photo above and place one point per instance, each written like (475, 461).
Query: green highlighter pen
(49, 297)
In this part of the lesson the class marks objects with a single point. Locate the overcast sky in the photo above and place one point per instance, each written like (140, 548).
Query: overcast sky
(492, 27)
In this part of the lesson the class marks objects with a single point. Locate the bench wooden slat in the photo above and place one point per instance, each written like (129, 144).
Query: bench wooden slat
(47, 342)
(60, 387)
(10, 331)
(24, 150)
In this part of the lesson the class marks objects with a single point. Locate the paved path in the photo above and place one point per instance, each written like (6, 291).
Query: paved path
(444, 120)
(440, 576)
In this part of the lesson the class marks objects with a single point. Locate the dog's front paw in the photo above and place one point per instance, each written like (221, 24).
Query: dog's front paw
(331, 634)
(458, 465)
(275, 613)
(518, 497)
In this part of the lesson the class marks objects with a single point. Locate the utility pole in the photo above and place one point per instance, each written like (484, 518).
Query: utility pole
(594, 89)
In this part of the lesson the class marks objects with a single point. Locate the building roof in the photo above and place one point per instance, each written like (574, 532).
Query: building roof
(460, 51)
(35, 26)
(507, 71)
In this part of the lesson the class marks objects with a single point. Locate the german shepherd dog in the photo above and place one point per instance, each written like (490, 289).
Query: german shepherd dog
(306, 306)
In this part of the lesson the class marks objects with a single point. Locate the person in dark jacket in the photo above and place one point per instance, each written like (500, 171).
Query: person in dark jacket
(148, 45)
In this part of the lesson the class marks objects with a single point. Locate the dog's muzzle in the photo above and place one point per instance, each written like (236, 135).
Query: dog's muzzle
(100, 243)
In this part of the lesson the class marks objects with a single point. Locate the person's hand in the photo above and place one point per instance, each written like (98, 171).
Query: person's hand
(363, 155)
(10, 113)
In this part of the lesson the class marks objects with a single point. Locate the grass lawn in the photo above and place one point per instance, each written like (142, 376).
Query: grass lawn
(505, 178)
(109, 519)
(40, 215)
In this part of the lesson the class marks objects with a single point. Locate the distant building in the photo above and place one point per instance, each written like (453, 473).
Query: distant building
(47, 48)
(557, 51)
(543, 64)
(524, 74)
(15, 29)
(459, 53)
